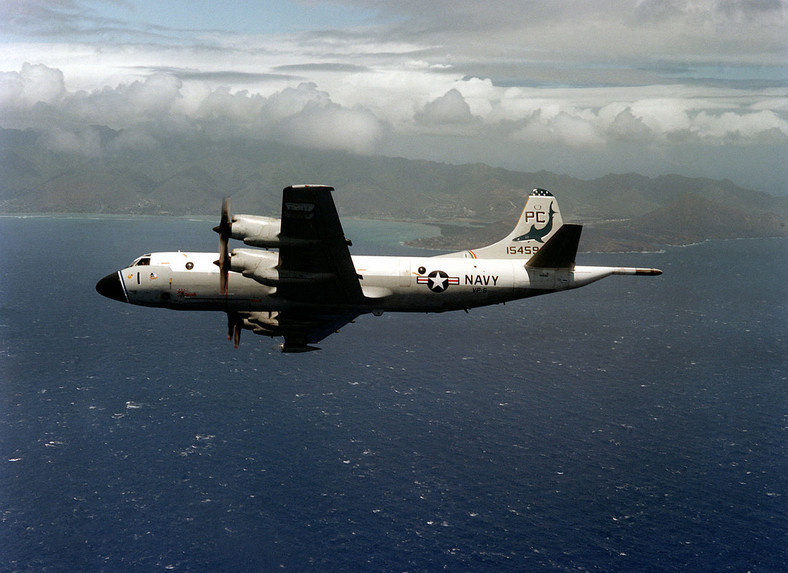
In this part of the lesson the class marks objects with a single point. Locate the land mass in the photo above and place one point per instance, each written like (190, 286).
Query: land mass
(473, 204)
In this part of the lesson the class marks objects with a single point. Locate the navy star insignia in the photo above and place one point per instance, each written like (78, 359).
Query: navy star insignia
(437, 281)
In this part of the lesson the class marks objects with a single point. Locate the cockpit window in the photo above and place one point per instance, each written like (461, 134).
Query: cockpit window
(141, 262)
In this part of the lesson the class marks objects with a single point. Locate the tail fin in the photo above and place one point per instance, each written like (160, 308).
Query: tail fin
(538, 222)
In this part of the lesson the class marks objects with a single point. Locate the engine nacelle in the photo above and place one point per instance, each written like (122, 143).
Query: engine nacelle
(249, 261)
(262, 267)
(267, 323)
(257, 231)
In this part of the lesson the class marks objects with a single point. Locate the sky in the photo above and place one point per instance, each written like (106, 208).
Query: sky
(694, 87)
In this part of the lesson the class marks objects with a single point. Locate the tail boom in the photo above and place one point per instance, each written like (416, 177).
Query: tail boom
(638, 272)
(582, 276)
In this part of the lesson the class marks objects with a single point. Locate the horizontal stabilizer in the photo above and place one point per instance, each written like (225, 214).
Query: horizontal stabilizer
(560, 250)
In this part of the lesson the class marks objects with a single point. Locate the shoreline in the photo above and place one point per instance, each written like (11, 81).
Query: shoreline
(415, 243)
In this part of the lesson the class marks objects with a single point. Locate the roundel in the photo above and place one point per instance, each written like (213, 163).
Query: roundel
(438, 281)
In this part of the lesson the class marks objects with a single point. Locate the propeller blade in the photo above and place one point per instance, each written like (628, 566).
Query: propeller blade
(224, 229)
(234, 326)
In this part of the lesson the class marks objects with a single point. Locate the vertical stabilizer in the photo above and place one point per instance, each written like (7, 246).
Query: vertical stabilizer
(538, 222)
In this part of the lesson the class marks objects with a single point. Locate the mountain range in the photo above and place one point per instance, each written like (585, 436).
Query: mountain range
(473, 204)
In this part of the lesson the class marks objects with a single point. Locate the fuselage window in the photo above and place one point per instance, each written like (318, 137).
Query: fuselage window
(189, 266)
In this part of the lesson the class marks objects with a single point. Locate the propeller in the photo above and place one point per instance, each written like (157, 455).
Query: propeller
(224, 229)
(234, 326)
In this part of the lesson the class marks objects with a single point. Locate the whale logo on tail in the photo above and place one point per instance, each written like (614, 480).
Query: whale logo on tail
(538, 234)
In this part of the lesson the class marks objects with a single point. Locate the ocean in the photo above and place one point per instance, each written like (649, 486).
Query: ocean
(636, 424)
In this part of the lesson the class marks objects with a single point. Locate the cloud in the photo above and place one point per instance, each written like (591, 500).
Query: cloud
(164, 103)
(224, 105)
(450, 109)
(85, 141)
(152, 100)
(32, 84)
(307, 116)
(626, 127)
(291, 101)
(323, 67)
(728, 127)
(332, 127)
(572, 30)
(160, 106)
(53, 20)
(228, 77)
(562, 128)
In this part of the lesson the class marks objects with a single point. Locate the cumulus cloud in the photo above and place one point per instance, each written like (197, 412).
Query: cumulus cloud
(332, 127)
(449, 113)
(728, 127)
(159, 105)
(291, 101)
(163, 104)
(222, 104)
(31, 85)
(449, 108)
(625, 126)
(153, 98)
(562, 128)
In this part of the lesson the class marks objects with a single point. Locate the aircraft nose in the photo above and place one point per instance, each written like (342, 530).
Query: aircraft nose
(112, 287)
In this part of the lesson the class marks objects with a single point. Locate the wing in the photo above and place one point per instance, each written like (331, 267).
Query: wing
(314, 260)
(300, 327)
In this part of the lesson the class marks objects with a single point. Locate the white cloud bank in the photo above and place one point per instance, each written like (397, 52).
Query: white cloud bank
(36, 96)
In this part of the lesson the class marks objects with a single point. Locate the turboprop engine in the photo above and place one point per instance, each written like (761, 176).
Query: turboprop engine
(256, 231)
(268, 324)
(258, 265)
(262, 266)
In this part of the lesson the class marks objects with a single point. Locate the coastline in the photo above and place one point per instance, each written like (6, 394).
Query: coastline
(430, 235)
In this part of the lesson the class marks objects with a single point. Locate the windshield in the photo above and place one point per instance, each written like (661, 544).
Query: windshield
(141, 261)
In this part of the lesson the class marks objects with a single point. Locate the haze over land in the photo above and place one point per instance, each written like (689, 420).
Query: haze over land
(163, 107)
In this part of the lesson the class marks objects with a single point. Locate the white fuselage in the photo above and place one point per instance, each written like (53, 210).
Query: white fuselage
(190, 281)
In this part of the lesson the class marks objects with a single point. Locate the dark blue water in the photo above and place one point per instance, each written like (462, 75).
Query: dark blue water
(638, 424)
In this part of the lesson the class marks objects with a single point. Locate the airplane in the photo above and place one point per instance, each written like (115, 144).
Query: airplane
(299, 281)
